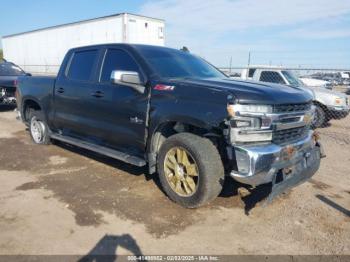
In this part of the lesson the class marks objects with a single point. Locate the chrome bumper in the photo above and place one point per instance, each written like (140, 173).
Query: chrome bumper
(263, 164)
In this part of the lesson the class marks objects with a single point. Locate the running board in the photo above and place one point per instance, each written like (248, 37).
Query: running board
(101, 150)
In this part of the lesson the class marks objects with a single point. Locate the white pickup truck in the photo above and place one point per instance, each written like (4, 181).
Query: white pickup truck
(329, 104)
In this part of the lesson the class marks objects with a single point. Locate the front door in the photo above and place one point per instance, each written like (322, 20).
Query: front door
(119, 111)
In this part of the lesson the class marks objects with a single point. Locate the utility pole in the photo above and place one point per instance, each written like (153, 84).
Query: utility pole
(248, 65)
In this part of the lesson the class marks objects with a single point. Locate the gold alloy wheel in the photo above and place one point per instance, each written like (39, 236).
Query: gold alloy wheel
(181, 171)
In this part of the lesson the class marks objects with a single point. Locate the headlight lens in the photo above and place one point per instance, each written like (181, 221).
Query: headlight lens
(249, 128)
(233, 109)
(338, 101)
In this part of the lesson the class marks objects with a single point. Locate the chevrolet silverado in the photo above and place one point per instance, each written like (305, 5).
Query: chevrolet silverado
(178, 115)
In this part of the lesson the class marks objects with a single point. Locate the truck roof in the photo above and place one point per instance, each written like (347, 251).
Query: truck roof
(122, 44)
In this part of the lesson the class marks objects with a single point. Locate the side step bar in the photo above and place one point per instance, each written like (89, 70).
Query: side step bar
(101, 150)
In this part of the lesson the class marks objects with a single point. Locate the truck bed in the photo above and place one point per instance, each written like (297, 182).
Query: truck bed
(37, 86)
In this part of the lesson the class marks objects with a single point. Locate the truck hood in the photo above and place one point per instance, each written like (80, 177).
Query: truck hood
(311, 82)
(247, 92)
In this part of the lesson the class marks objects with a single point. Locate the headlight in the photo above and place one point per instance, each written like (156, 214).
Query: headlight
(233, 109)
(338, 101)
(248, 127)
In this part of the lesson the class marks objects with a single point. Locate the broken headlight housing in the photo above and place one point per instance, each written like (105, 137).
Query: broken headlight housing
(249, 123)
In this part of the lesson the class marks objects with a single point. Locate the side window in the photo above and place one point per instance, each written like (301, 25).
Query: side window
(271, 77)
(251, 72)
(117, 60)
(81, 66)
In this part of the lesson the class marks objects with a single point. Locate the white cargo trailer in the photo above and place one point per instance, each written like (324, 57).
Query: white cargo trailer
(41, 51)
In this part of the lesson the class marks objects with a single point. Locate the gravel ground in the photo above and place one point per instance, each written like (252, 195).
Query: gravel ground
(58, 199)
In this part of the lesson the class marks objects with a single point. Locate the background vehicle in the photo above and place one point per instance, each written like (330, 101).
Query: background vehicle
(177, 113)
(9, 74)
(329, 104)
(312, 82)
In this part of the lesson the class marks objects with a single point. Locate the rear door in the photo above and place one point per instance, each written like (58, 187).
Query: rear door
(119, 111)
(72, 94)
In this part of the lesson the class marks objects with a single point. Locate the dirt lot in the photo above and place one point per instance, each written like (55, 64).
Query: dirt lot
(61, 200)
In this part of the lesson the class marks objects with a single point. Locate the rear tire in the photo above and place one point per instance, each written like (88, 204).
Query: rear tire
(204, 170)
(38, 129)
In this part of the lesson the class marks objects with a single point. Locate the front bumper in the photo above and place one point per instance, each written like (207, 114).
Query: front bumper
(284, 166)
(338, 112)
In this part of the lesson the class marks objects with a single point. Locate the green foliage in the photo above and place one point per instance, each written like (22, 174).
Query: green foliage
(1, 54)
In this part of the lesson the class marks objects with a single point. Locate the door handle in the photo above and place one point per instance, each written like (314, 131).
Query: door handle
(60, 90)
(98, 94)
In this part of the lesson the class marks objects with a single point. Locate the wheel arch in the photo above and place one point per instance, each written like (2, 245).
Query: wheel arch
(30, 103)
(324, 108)
(171, 127)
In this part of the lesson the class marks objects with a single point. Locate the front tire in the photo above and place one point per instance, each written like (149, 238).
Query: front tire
(320, 118)
(38, 129)
(190, 170)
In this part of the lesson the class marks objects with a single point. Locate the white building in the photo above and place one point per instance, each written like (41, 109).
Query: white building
(42, 51)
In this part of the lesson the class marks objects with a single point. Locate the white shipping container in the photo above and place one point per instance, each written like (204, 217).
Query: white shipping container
(42, 51)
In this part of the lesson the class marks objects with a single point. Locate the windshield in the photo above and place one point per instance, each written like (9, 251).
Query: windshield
(172, 63)
(9, 69)
(293, 80)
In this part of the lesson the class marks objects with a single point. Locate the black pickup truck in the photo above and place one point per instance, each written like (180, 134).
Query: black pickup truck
(177, 114)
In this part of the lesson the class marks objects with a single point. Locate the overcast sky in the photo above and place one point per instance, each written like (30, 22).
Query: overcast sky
(296, 32)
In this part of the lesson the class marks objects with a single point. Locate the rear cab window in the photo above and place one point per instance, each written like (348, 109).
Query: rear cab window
(81, 66)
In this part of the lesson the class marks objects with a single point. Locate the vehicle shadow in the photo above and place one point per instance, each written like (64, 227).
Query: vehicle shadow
(334, 205)
(325, 125)
(106, 250)
(133, 170)
(250, 196)
(231, 187)
(5, 108)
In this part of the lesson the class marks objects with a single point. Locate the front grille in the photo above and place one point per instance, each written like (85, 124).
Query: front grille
(289, 135)
(288, 108)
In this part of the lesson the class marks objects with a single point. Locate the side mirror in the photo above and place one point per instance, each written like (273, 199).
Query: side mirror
(28, 74)
(128, 78)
